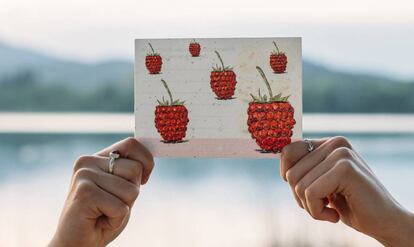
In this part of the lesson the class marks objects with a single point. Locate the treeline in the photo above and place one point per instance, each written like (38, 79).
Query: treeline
(323, 91)
(328, 91)
(23, 92)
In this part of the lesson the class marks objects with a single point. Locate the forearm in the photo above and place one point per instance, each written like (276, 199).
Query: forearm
(400, 231)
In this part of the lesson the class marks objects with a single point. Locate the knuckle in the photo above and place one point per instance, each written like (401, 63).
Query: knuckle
(151, 160)
(345, 166)
(131, 143)
(81, 162)
(84, 190)
(83, 173)
(286, 156)
(342, 152)
(133, 194)
(123, 209)
(300, 190)
(341, 141)
(309, 193)
(290, 176)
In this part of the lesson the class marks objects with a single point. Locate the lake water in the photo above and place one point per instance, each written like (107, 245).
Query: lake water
(188, 202)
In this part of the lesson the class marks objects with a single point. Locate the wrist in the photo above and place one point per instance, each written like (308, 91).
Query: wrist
(400, 230)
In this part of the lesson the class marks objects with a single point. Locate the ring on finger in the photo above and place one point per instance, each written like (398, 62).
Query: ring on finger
(113, 155)
(308, 142)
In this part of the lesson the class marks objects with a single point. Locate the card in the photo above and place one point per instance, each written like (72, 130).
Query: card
(224, 97)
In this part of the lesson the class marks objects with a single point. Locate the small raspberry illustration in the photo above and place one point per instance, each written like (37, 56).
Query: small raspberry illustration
(153, 61)
(171, 118)
(270, 119)
(223, 80)
(278, 61)
(194, 48)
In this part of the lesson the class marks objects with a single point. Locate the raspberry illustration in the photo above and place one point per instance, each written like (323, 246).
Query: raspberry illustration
(194, 49)
(171, 118)
(278, 61)
(223, 80)
(153, 61)
(270, 119)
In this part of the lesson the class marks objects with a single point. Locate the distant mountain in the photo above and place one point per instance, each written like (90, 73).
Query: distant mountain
(53, 70)
(33, 81)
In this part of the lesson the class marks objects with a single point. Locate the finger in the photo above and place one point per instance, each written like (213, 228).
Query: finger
(126, 191)
(100, 204)
(114, 209)
(320, 169)
(293, 152)
(304, 165)
(325, 186)
(130, 170)
(132, 149)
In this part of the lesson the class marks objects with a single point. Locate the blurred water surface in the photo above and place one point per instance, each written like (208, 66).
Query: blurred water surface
(188, 202)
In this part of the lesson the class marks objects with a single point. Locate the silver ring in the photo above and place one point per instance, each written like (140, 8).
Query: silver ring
(113, 155)
(311, 147)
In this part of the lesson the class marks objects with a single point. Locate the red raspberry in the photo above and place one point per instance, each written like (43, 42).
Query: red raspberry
(194, 49)
(223, 81)
(278, 61)
(270, 120)
(153, 61)
(171, 118)
(171, 122)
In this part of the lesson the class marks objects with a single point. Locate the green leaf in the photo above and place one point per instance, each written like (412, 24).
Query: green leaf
(253, 97)
(278, 96)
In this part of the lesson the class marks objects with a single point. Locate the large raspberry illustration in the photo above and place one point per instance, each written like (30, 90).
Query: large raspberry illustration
(270, 119)
(194, 48)
(171, 118)
(223, 80)
(278, 60)
(153, 61)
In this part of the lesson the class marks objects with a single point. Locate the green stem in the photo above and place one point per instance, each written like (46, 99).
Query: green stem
(277, 48)
(221, 60)
(266, 81)
(152, 49)
(168, 91)
(194, 41)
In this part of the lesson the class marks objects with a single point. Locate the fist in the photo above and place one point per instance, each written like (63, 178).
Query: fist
(334, 183)
(99, 203)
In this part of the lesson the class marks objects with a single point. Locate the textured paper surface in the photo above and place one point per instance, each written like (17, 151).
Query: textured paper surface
(216, 128)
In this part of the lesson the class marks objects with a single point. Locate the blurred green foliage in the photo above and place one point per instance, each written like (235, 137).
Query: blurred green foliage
(324, 90)
(23, 92)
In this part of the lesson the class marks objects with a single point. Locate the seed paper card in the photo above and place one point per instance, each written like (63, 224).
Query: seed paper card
(233, 97)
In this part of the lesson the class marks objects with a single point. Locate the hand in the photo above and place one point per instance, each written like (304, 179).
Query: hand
(333, 183)
(99, 204)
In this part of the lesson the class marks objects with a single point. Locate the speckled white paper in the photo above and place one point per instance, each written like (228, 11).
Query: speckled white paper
(216, 128)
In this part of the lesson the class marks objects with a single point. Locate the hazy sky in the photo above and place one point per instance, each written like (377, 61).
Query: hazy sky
(372, 35)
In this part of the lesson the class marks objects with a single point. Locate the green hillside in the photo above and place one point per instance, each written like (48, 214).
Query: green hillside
(30, 81)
